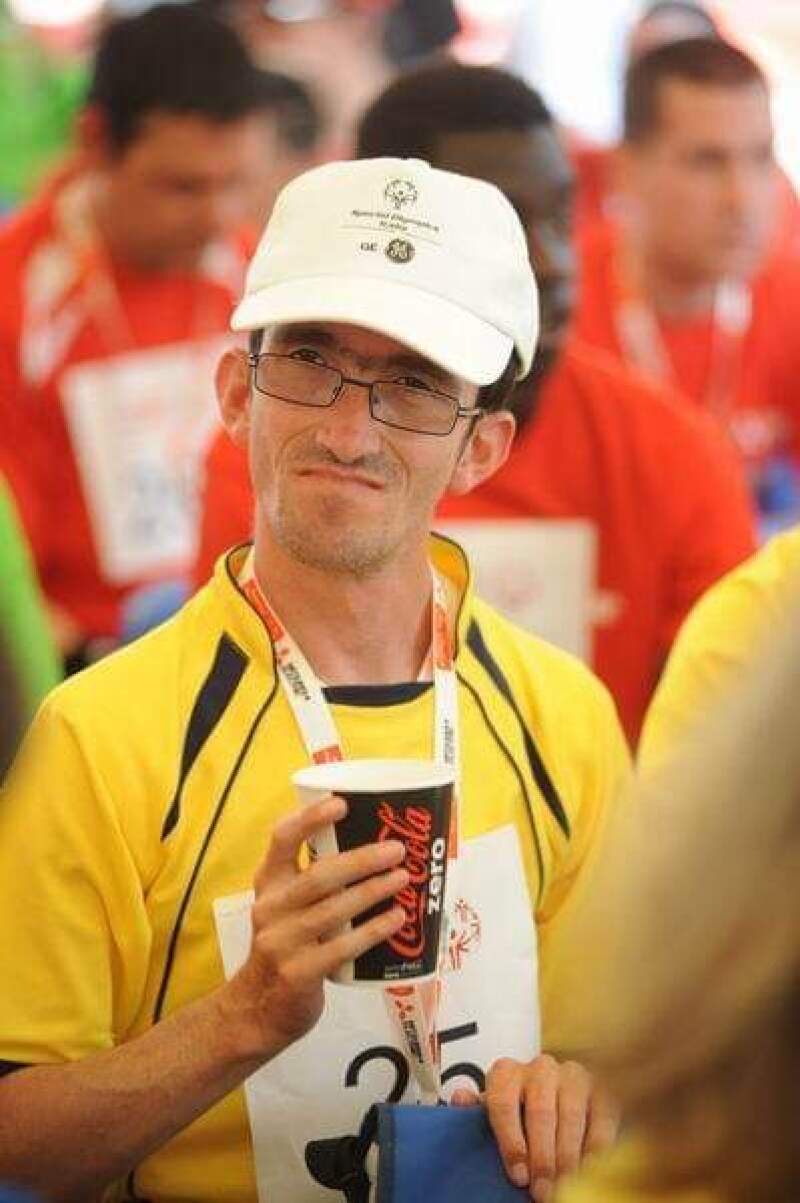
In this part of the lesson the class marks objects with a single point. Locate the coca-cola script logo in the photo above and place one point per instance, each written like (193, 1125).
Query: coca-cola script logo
(425, 860)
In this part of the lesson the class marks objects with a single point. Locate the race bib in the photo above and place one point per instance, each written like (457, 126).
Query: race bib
(322, 1086)
(539, 572)
(140, 425)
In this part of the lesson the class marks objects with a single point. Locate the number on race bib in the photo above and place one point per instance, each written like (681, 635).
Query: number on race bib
(385, 1052)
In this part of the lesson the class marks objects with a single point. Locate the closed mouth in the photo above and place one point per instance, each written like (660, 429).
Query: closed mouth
(341, 475)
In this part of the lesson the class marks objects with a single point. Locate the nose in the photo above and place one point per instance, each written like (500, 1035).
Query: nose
(218, 211)
(347, 429)
(747, 192)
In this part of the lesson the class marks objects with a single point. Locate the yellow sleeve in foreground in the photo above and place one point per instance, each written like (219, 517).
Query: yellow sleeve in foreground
(719, 640)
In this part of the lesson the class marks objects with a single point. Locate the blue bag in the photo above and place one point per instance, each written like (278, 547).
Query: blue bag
(423, 1155)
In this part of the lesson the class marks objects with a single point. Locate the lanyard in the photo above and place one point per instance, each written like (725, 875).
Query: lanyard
(412, 1007)
(643, 344)
(94, 277)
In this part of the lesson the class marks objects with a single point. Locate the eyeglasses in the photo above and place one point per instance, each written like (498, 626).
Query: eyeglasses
(303, 382)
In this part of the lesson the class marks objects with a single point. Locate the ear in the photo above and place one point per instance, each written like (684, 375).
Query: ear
(233, 395)
(485, 451)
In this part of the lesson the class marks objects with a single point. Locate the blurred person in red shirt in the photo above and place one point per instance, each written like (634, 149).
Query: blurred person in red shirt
(660, 23)
(118, 286)
(618, 506)
(597, 168)
(681, 285)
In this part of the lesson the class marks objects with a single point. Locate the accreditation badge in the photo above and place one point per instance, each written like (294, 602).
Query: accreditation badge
(539, 572)
(140, 424)
(321, 1086)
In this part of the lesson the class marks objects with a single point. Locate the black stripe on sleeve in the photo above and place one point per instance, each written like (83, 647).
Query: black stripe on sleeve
(11, 1067)
(477, 646)
(210, 704)
(516, 771)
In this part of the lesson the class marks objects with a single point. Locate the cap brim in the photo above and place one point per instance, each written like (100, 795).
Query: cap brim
(431, 325)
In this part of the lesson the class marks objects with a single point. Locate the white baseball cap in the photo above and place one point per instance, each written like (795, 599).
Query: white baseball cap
(435, 260)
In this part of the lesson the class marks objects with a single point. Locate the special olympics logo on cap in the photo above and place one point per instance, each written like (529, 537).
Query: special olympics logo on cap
(400, 250)
(400, 193)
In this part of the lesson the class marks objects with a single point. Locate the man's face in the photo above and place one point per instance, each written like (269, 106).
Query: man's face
(531, 168)
(703, 183)
(335, 489)
(181, 183)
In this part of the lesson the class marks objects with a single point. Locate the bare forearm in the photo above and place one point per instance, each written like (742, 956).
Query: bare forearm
(70, 1130)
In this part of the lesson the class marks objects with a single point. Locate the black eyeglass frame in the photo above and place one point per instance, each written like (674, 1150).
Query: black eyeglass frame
(474, 412)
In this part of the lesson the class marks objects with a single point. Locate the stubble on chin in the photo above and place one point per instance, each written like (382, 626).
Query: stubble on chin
(333, 545)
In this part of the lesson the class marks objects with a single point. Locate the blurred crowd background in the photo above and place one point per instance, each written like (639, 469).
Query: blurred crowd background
(663, 225)
(652, 151)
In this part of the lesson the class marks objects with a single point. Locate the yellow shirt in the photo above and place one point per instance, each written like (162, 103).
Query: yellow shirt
(147, 792)
(719, 639)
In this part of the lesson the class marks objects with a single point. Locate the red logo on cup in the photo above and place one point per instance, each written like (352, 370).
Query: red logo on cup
(425, 857)
(413, 829)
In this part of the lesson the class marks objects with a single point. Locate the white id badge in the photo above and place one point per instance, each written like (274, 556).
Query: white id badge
(140, 425)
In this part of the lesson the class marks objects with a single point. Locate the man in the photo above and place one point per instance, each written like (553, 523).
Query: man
(118, 288)
(723, 638)
(383, 340)
(583, 534)
(659, 23)
(677, 288)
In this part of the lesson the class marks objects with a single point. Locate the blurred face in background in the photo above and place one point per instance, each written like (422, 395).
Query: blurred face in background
(702, 184)
(531, 168)
(182, 182)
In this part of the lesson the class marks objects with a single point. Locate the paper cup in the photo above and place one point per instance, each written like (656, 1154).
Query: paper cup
(406, 800)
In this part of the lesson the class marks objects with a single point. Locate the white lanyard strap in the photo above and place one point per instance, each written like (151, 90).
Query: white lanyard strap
(643, 345)
(413, 1007)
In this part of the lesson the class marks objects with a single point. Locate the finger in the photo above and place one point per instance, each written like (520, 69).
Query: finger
(333, 873)
(603, 1125)
(291, 832)
(332, 913)
(540, 1106)
(504, 1109)
(462, 1096)
(574, 1093)
(354, 942)
(278, 936)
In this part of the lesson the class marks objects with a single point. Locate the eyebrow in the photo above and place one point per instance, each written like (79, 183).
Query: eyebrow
(401, 359)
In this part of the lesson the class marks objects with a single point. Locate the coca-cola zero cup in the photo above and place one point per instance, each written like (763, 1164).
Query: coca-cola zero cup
(406, 800)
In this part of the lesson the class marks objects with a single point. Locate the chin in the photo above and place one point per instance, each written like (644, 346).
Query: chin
(337, 547)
